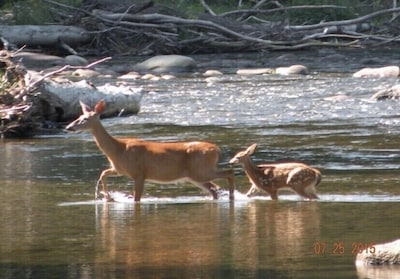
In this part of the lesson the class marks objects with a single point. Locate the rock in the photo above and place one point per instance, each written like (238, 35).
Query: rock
(85, 73)
(75, 60)
(390, 93)
(150, 77)
(130, 75)
(34, 60)
(380, 254)
(259, 71)
(292, 70)
(40, 61)
(167, 77)
(379, 261)
(212, 73)
(166, 64)
(388, 71)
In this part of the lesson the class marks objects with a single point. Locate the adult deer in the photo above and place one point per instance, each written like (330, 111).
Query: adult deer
(273, 177)
(159, 162)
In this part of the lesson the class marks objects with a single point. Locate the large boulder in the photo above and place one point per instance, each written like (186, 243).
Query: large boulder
(380, 254)
(388, 71)
(166, 64)
(379, 261)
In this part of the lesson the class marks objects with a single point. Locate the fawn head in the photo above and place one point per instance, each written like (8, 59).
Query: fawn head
(85, 121)
(242, 155)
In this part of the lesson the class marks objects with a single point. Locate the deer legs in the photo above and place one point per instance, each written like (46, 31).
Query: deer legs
(211, 187)
(139, 185)
(229, 175)
(103, 180)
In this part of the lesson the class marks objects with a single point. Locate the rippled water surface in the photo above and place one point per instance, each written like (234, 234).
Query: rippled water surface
(53, 228)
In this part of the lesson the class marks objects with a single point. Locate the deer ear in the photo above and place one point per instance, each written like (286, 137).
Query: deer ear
(250, 150)
(100, 107)
(85, 107)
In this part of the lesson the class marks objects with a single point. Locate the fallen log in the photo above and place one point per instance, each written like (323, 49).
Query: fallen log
(45, 35)
(63, 98)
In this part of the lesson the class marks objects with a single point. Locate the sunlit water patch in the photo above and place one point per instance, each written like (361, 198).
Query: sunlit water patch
(240, 199)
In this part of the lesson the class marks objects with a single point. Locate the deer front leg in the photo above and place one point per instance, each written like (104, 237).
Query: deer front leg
(230, 176)
(103, 180)
(252, 190)
(274, 194)
(139, 185)
(231, 183)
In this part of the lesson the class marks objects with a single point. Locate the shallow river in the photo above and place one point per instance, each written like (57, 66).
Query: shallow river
(51, 226)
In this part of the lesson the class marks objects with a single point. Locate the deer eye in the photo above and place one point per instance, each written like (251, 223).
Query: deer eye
(83, 120)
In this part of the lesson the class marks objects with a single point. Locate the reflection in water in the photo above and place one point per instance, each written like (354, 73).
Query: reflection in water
(195, 237)
(381, 272)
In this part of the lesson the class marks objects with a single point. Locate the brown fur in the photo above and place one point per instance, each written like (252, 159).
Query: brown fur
(298, 177)
(160, 162)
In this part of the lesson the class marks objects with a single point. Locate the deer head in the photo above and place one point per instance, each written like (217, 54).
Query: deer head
(242, 155)
(85, 121)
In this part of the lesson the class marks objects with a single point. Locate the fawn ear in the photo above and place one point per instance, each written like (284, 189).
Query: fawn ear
(250, 150)
(100, 107)
(85, 107)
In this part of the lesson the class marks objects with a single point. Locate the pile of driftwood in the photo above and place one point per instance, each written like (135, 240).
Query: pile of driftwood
(33, 102)
(120, 27)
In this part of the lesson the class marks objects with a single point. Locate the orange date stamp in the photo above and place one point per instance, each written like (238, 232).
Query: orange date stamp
(340, 248)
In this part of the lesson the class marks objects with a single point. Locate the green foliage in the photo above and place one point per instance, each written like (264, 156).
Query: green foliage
(35, 11)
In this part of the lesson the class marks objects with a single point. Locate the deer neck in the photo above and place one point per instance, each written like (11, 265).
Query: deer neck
(107, 143)
(251, 170)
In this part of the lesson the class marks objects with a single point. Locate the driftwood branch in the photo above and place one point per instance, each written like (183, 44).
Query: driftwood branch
(207, 8)
(33, 85)
(156, 32)
(164, 19)
(256, 10)
(342, 22)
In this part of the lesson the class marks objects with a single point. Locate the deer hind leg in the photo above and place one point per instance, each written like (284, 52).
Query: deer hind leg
(103, 180)
(307, 192)
(212, 188)
(311, 192)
